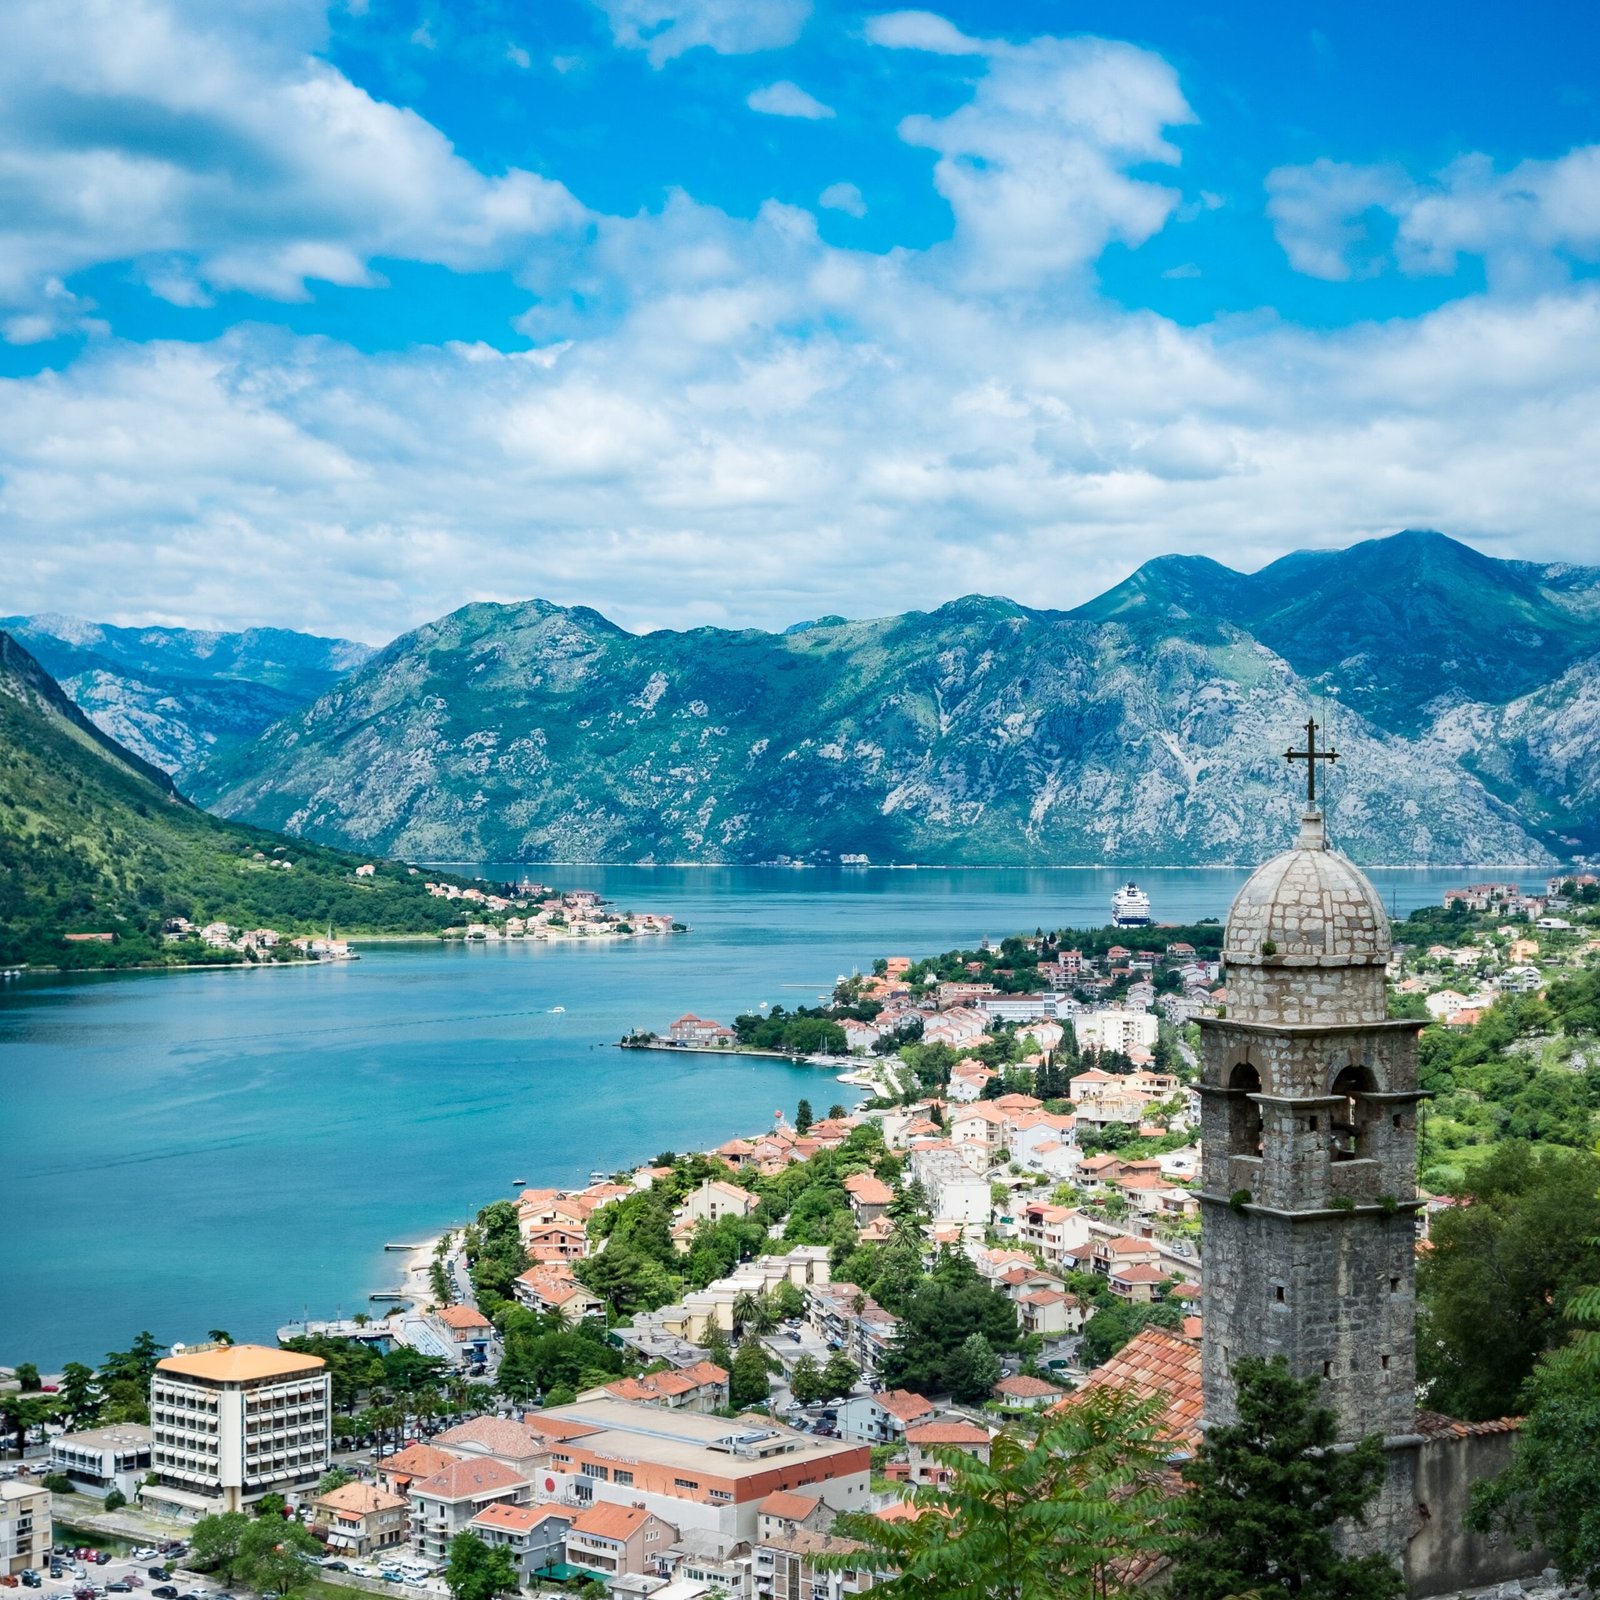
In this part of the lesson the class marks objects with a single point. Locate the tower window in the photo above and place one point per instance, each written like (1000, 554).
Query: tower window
(1311, 1124)
(1383, 1361)
(1394, 1286)
(1277, 1294)
(1397, 1122)
(1327, 1369)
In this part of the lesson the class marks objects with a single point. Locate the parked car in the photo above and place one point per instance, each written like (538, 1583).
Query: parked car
(160, 1574)
(120, 1586)
(164, 1591)
(102, 1558)
(337, 1566)
(136, 1581)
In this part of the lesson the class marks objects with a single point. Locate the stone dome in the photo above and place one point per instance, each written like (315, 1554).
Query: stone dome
(1309, 907)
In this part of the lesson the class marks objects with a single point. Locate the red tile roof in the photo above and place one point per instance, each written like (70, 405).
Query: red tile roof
(1155, 1362)
(1021, 1388)
(463, 1480)
(947, 1433)
(417, 1461)
(606, 1521)
(788, 1505)
(903, 1404)
(518, 1519)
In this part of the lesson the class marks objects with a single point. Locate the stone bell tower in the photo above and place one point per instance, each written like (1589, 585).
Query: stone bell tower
(1310, 1125)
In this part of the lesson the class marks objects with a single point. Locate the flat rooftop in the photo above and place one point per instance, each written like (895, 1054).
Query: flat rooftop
(114, 1436)
(625, 1432)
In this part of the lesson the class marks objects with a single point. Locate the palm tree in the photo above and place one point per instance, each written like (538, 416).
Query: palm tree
(746, 1307)
(1076, 1512)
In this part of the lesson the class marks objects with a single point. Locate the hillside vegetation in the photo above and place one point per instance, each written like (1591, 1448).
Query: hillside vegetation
(94, 840)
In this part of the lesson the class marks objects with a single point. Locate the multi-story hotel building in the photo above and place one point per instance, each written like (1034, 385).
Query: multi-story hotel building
(234, 1422)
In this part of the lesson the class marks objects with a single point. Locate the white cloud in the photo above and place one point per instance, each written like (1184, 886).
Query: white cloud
(1035, 164)
(785, 99)
(216, 152)
(844, 197)
(667, 28)
(922, 30)
(1525, 223)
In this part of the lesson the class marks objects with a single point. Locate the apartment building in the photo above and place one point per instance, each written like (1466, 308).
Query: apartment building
(692, 1470)
(26, 1532)
(361, 1519)
(785, 1567)
(535, 1535)
(956, 1194)
(443, 1505)
(99, 1460)
(231, 1423)
(612, 1539)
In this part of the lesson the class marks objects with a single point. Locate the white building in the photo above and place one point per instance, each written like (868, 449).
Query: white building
(25, 1528)
(102, 1459)
(1116, 1029)
(231, 1423)
(956, 1194)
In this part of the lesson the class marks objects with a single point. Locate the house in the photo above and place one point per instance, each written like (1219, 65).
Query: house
(716, 1198)
(715, 1563)
(1121, 1250)
(700, 1387)
(785, 1510)
(551, 1287)
(860, 1035)
(466, 1327)
(443, 1505)
(399, 1471)
(536, 1535)
(1028, 1394)
(1059, 1233)
(882, 1418)
(979, 1129)
(926, 1437)
(1050, 1312)
(359, 1519)
(612, 1539)
(512, 1443)
(700, 1031)
(1138, 1284)
(870, 1197)
(557, 1241)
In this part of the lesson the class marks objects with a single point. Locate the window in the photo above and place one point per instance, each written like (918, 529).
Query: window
(622, 1477)
(1327, 1369)
(686, 1483)
(589, 1470)
(1383, 1361)
(1394, 1286)
(1277, 1293)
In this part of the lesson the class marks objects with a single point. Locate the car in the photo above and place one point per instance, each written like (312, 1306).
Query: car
(165, 1591)
(30, 1578)
(337, 1566)
(119, 1586)
(160, 1574)
(102, 1558)
(134, 1579)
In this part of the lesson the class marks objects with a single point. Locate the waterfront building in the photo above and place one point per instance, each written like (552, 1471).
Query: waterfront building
(231, 1423)
(692, 1470)
(99, 1460)
(359, 1519)
(26, 1532)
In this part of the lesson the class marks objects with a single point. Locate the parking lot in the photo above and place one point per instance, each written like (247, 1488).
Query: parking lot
(80, 1573)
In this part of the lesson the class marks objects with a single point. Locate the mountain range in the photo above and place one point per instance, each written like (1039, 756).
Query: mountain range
(1146, 727)
(94, 840)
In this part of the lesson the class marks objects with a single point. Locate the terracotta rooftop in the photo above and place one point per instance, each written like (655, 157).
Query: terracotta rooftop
(788, 1505)
(499, 1436)
(360, 1499)
(606, 1521)
(1022, 1388)
(870, 1191)
(903, 1404)
(1155, 1362)
(463, 1480)
(417, 1461)
(947, 1433)
(239, 1363)
(462, 1317)
(518, 1519)
(1435, 1426)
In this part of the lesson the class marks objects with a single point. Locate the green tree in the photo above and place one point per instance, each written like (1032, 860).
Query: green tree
(1265, 1493)
(718, 1351)
(27, 1377)
(973, 1371)
(333, 1478)
(839, 1376)
(22, 1413)
(748, 1382)
(78, 1399)
(115, 1500)
(271, 1558)
(1548, 1491)
(803, 1117)
(805, 1382)
(1071, 1514)
(214, 1542)
(270, 1507)
(1502, 1270)
(478, 1571)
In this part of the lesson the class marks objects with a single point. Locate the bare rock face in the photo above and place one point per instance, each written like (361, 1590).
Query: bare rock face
(981, 732)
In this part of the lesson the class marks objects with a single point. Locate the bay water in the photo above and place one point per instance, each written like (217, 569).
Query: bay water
(232, 1149)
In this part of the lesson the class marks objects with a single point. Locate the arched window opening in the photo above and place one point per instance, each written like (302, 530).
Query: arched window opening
(1350, 1126)
(1244, 1115)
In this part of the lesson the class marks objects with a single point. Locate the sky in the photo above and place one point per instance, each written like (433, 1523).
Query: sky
(739, 312)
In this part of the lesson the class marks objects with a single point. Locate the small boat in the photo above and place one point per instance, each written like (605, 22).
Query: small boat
(519, 1183)
(558, 1011)
(598, 1177)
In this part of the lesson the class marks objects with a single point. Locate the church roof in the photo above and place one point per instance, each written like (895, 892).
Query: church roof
(1312, 905)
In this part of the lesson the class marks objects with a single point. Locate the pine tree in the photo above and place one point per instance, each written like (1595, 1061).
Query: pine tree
(803, 1117)
(1266, 1492)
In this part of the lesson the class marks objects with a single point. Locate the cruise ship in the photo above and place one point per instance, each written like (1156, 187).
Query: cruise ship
(1130, 907)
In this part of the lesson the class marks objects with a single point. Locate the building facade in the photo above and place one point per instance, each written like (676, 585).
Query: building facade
(25, 1527)
(231, 1423)
(99, 1460)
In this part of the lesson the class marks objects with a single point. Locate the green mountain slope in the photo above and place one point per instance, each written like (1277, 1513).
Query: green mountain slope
(175, 695)
(95, 840)
(982, 732)
(1402, 627)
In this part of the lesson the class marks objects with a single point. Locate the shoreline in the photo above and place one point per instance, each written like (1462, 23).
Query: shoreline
(1006, 866)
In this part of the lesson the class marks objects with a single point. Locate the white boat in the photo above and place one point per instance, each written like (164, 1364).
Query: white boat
(558, 1011)
(1130, 907)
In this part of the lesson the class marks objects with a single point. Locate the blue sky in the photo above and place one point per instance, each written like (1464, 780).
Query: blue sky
(739, 311)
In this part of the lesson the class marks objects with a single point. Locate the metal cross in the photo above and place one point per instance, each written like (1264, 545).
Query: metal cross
(1311, 756)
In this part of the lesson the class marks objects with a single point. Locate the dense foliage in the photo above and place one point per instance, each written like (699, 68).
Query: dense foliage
(1507, 1263)
(93, 841)
(1265, 1493)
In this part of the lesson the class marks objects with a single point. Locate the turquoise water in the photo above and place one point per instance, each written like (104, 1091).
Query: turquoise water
(183, 1151)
